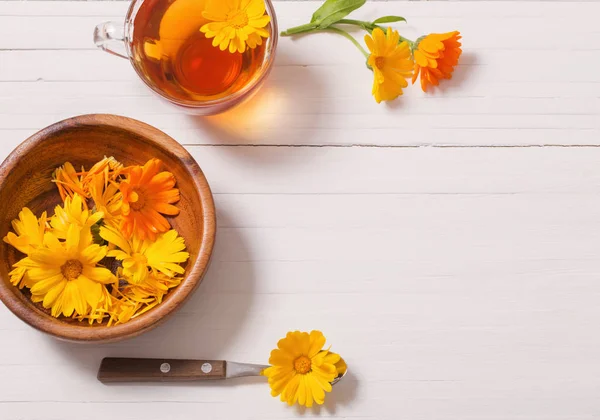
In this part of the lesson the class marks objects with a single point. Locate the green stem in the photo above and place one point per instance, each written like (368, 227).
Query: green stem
(347, 36)
(299, 29)
(369, 26)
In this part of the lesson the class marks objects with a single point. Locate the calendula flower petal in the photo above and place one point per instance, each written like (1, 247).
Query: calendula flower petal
(290, 392)
(53, 294)
(254, 39)
(114, 236)
(44, 286)
(18, 276)
(259, 22)
(98, 274)
(316, 343)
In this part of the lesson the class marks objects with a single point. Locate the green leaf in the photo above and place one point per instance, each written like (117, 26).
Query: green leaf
(333, 10)
(389, 19)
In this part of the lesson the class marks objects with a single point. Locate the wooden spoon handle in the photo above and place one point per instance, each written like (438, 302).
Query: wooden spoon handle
(159, 370)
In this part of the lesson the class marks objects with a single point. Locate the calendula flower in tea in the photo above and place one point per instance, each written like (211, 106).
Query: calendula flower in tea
(235, 24)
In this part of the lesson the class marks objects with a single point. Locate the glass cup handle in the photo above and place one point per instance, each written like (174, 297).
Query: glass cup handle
(111, 33)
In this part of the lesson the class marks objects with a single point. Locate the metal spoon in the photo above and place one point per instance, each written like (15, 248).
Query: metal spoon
(114, 369)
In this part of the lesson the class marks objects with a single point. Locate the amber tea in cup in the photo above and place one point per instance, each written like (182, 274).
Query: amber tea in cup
(165, 44)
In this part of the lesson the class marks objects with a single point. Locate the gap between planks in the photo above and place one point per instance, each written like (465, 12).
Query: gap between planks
(400, 146)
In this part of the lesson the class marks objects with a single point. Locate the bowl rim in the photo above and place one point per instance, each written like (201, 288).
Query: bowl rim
(31, 315)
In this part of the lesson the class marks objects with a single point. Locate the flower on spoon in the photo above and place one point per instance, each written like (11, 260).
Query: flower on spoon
(301, 370)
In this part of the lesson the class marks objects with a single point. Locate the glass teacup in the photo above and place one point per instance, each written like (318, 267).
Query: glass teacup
(165, 45)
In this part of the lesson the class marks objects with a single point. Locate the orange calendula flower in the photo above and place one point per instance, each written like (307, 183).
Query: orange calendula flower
(148, 193)
(391, 63)
(236, 24)
(301, 370)
(436, 55)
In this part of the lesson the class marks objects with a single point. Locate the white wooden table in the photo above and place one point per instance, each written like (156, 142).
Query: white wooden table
(448, 245)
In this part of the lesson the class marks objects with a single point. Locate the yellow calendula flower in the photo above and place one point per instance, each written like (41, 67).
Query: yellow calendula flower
(65, 275)
(236, 24)
(109, 167)
(107, 198)
(29, 234)
(301, 371)
(29, 231)
(391, 62)
(68, 181)
(436, 55)
(74, 212)
(138, 256)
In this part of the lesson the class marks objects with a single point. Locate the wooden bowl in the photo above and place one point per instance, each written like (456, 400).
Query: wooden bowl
(25, 180)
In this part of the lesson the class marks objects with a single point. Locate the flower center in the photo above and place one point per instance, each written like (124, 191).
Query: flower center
(379, 62)
(302, 364)
(71, 269)
(136, 200)
(140, 258)
(239, 19)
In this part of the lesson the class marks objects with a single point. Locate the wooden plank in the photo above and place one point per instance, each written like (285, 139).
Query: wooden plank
(312, 110)
(480, 32)
(489, 9)
(376, 170)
